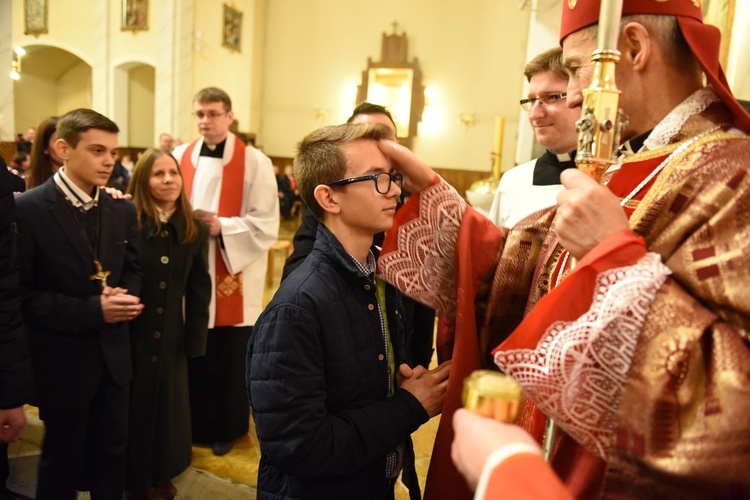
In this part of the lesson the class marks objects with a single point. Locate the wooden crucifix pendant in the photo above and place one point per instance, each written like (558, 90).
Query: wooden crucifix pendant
(100, 275)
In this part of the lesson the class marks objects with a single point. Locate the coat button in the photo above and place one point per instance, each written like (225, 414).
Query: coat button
(370, 307)
(367, 287)
(164, 233)
(164, 259)
(157, 335)
(381, 357)
(154, 358)
(163, 285)
(160, 310)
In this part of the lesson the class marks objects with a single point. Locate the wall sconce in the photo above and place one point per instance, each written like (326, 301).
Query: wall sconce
(15, 65)
(321, 114)
(197, 41)
(466, 119)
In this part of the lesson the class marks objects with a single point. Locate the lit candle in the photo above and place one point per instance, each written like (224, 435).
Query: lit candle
(498, 147)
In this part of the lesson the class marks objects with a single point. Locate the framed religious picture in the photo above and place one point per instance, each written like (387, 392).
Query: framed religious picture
(232, 28)
(134, 15)
(35, 17)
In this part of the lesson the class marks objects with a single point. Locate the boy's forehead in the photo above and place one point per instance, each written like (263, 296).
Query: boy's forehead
(363, 155)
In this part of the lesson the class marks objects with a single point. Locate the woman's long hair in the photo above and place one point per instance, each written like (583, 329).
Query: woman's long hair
(41, 167)
(140, 188)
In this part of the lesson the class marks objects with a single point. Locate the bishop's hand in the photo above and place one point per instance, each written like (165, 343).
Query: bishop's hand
(587, 213)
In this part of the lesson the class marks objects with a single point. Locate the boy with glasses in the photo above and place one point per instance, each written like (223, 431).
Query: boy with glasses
(332, 398)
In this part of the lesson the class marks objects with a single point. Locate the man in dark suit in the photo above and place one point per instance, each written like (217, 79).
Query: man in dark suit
(15, 372)
(80, 280)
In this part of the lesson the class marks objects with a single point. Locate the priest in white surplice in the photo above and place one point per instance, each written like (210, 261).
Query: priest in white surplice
(232, 187)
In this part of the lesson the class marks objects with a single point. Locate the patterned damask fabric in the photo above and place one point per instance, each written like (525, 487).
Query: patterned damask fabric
(576, 372)
(674, 122)
(423, 265)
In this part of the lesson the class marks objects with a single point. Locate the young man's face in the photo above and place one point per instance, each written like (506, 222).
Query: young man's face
(213, 120)
(555, 127)
(363, 209)
(91, 162)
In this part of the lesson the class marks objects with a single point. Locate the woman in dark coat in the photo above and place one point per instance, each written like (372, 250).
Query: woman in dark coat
(174, 256)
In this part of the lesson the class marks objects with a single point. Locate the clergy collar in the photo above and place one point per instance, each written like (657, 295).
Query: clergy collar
(75, 195)
(213, 150)
(564, 156)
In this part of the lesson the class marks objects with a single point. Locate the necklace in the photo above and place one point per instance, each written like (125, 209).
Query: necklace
(100, 275)
(684, 146)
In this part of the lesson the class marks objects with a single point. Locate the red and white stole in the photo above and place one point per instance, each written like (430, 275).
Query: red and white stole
(229, 301)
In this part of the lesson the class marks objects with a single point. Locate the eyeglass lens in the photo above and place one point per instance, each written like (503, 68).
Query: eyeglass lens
(383, 181)
(199, 115)
(547, 100)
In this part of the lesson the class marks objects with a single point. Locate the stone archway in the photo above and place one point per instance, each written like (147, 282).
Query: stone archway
(53, 81)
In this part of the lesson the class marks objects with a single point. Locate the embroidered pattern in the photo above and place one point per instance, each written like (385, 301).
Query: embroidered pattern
(230, 285)
(576, 373)
(423, 265)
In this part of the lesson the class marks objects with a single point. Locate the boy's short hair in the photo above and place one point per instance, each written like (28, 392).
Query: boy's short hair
(73, 123)
(214, 94)
(319, 158)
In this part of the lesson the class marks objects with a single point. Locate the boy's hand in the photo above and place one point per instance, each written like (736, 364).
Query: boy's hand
(417, 175)
(12, 422)
(118, 305)
(428, 386)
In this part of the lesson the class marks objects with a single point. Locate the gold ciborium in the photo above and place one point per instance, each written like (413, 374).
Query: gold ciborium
(493, 394)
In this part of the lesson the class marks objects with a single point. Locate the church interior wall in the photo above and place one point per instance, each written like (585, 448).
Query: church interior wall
(298, 67)
(471, 55)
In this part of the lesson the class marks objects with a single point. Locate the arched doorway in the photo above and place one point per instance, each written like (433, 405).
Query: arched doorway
(133, 104)
(53, 81)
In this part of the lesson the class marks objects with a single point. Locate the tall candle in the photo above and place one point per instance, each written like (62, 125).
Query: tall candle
(498, 147)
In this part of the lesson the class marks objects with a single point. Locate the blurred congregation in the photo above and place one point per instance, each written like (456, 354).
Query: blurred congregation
(167, 220)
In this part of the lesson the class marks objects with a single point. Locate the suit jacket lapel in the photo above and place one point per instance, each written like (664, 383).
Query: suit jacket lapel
(106, 236)
(63, 214)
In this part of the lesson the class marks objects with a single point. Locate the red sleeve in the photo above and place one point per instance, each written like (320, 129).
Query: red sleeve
(525, 476)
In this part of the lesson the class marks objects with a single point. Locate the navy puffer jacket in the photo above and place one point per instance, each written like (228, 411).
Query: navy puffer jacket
(317, 378)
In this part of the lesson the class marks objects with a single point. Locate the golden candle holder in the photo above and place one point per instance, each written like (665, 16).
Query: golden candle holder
(493, 394)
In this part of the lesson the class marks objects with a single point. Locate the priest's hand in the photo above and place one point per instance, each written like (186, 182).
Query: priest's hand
(12, 422)
(587, 213)
(118, 305)
(428, 386)
(214, 225)
(476, 438)
(417, 175)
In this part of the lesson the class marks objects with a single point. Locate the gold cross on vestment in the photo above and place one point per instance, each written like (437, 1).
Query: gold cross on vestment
(100, 275)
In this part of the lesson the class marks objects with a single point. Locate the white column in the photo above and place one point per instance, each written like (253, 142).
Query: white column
(100, 67)
(7, 110)
(738, 63)
(544, 30)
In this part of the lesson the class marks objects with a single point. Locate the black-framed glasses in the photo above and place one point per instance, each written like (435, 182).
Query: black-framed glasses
(548, 101)
(382, 181)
